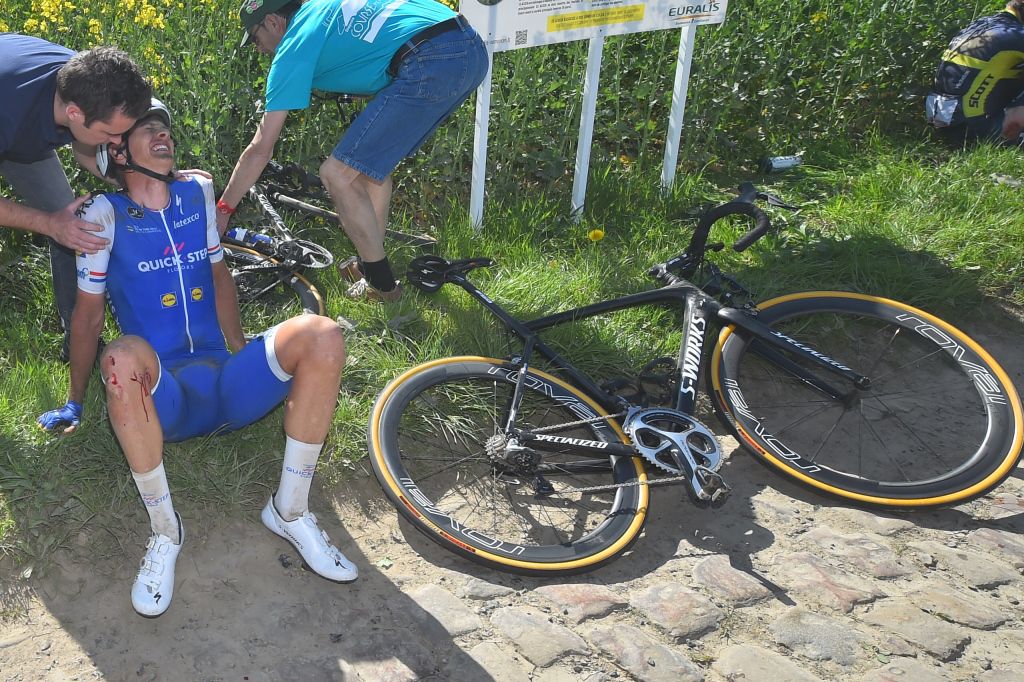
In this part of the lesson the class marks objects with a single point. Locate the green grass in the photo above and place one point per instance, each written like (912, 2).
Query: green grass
(896, 217)
(884, 210)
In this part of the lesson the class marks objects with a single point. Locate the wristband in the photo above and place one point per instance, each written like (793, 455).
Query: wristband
(222, 207)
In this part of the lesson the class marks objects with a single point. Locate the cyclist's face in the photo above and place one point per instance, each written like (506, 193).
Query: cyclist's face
(98, 132)
(151, 142)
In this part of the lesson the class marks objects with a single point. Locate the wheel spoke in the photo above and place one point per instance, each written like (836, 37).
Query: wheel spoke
(924, 421)
(448, 434)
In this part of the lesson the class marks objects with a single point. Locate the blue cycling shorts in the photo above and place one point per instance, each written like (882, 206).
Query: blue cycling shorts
(220, 392)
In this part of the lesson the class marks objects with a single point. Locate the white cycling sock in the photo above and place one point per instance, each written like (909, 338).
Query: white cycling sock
(156, 495)
(292, 498)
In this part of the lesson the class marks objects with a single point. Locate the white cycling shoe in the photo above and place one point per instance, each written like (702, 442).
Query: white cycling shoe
(312, 544)
(154, 584)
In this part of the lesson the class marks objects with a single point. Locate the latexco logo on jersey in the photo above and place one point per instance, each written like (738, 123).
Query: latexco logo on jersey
(188, 220)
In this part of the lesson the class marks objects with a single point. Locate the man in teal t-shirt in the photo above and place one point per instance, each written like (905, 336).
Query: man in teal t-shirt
(416, 59)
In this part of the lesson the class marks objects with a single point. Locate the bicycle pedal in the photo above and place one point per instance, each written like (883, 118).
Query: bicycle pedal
(708, 489)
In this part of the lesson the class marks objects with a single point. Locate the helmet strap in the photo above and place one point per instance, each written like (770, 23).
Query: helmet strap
(167, 177)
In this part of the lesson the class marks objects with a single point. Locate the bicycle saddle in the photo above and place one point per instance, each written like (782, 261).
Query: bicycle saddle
(428, 273)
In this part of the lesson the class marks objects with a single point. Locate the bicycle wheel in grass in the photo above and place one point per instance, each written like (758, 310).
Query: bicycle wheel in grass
(429, 436)
(267, 292)
(940, 424)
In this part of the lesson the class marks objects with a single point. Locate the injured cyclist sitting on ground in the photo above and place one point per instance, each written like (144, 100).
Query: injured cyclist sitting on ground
(170, 376)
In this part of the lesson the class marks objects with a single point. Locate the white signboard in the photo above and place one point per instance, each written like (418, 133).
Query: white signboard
(512, 24)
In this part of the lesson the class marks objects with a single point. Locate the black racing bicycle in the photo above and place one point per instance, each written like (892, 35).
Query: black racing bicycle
(860, 397)
(268, 262)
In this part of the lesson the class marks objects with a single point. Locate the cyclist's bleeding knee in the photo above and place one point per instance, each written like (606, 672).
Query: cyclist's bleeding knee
(128, 361)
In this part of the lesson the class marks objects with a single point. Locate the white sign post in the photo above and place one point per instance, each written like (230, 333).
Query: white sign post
(579, 180)
(514, 24)
(675, 116)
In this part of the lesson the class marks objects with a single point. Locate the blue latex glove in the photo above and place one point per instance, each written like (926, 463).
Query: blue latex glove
(69, 416)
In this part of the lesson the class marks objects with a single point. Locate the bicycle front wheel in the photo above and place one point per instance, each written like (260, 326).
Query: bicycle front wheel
(437, 447)
(939, 425)
(267, 291)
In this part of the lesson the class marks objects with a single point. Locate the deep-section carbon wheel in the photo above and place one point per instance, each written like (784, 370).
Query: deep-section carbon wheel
(438, 446)
(940, 423)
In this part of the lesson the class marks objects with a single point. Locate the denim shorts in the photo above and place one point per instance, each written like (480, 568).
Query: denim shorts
(432, 81)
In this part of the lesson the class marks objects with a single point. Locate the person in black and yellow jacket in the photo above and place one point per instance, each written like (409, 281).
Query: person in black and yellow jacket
(979, 85)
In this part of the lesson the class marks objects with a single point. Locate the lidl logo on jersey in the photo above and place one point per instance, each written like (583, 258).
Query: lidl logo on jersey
(169, 300)
(197, 293)
(182, 259)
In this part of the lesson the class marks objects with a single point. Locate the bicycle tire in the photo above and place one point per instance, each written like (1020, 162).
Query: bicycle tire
(427, 437)
(940, 425)
(268, 293)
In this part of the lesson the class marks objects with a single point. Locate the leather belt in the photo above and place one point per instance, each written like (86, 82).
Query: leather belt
(458, 22)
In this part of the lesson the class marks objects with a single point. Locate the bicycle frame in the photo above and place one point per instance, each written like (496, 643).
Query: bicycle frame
(700, 310)
(272, 188)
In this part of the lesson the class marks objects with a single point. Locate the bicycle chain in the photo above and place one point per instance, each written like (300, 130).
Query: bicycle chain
(581, 422)
(631, 484)
(611, 486)
(608, 486)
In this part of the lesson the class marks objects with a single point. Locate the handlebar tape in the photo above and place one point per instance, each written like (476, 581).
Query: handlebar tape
(761, 227)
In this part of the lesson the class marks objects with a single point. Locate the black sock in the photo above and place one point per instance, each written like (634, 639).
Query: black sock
(378, 274)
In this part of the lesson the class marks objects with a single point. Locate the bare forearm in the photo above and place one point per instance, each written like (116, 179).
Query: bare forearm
(247, 171)
(255, 157)
(227, 308)
(13, 214)
(86, 326)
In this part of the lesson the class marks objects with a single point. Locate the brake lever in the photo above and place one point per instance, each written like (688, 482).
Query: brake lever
(776, 201)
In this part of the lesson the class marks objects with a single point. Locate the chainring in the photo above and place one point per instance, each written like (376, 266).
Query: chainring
(664, 437)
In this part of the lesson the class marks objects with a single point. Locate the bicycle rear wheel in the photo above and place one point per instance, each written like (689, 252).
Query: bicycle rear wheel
(429, 440)
(940, 424)
(267, 291)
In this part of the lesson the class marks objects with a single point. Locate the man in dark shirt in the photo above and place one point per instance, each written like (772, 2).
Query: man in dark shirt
(49, 97)
(979, 85)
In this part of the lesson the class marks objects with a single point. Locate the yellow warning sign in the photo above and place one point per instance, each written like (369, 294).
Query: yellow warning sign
(596, 17)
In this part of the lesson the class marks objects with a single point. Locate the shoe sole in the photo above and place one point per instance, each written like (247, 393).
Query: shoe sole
(302, 559)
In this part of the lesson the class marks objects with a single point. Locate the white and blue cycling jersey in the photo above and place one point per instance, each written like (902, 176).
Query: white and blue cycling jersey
(156, 270)
(157, 275)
